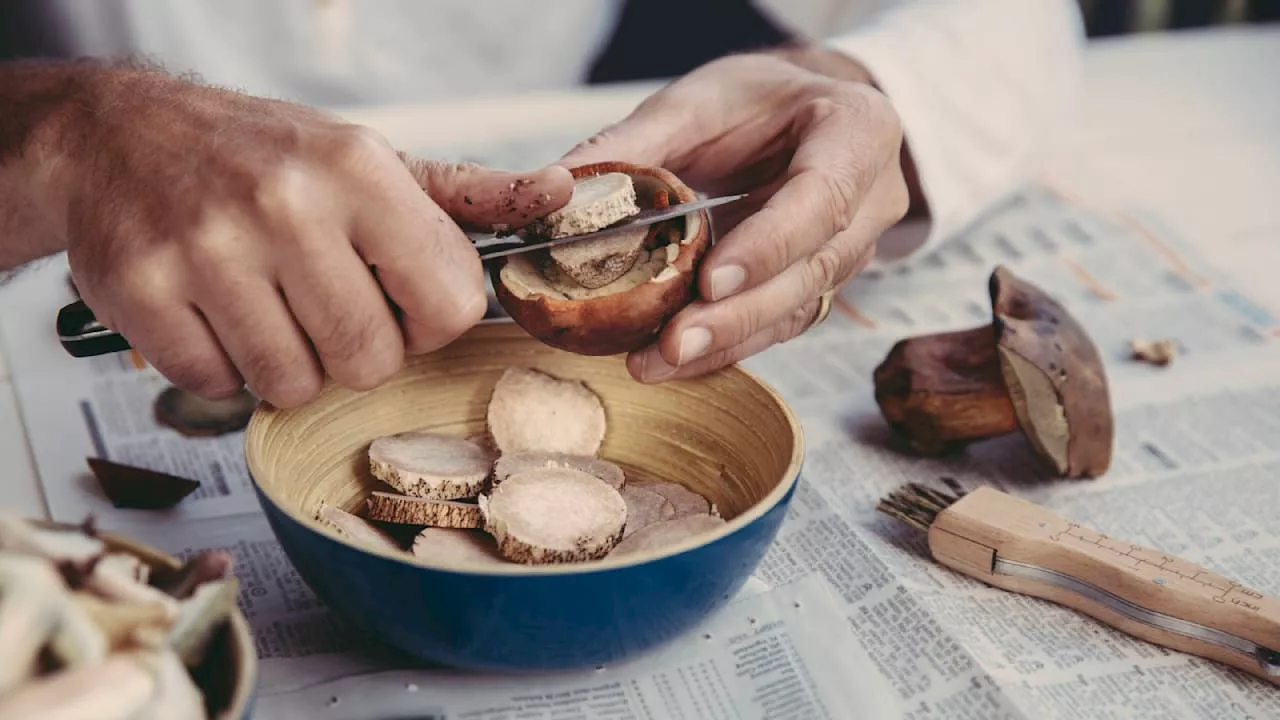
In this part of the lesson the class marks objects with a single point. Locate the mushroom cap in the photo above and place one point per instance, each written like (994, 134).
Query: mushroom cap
(609, 323)
(1054, 375)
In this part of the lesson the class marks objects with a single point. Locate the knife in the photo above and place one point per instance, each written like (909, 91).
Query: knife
(501, 247)
(81, 335)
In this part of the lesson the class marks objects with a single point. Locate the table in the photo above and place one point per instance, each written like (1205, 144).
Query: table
(1180, 123)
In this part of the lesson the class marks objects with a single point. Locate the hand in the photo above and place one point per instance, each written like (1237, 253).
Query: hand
(237, 240)
(818, 154)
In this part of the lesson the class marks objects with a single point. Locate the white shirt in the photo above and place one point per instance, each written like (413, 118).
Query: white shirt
(981, 85)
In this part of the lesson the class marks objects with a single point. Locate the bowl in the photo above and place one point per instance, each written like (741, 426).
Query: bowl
(228, 675)
(726, 435)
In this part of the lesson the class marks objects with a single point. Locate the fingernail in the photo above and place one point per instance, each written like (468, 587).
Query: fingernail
(727, 280)
(653, 367)
(693, 342)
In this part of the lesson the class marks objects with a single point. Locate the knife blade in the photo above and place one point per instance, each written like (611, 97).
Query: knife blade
(501, 247)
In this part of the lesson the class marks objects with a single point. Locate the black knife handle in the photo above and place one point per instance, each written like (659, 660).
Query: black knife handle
(81, 335)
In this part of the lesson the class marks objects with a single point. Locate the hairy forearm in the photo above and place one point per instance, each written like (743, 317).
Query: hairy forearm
(43, 106)
(37, 102)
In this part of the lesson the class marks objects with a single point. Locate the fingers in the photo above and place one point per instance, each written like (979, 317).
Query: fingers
(260, 335)
(177, 341)
(424, 262)
(829, 177)
(707, 328)
(339, 304)
(652, 134)
(648, 365)
(481, 199)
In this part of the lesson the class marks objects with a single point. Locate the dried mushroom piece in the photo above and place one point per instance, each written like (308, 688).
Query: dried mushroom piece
(554, 515)
(682, 499)
(1153, 352)
(355, 528)
(451, 546)
(118, 688)
(597, 262)
(201, 614)
(204, 567)
(644, 508)
(597, 202)
(85, 636)
(139, 488)
(516, 462)
(666, 533)
(429, 465)
(532, 410)
(1033, 368)
(406, 510)
(194, 416)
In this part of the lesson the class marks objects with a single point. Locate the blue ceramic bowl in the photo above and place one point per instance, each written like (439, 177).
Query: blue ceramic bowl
(727, 436)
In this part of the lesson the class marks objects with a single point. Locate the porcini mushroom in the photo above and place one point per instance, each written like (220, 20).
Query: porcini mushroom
(614, 294)
(1032, 368)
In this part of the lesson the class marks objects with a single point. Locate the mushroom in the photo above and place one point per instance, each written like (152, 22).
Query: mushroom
(117, 688)
(609, 295)
(1032, 368)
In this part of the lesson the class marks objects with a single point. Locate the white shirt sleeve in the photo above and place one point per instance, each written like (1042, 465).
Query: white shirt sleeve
(981, 87)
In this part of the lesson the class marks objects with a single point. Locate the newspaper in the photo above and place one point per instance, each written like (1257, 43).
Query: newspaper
(1197, 450)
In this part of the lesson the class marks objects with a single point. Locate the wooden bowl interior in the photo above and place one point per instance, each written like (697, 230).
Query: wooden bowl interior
(725, 436)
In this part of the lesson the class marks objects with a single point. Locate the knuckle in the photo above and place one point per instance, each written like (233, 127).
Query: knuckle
(203, 375)
(283, 192)
(275, 378)
(826, 268)
(747, 321)
(358, 147)
(841, 190)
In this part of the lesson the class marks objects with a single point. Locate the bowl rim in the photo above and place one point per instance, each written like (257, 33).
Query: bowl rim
(246, 656)
(790, 477)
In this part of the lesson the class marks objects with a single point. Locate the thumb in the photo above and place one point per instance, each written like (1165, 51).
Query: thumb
(481, 199)
(650, 135)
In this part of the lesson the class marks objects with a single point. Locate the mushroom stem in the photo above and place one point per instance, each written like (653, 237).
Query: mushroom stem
(946, 390)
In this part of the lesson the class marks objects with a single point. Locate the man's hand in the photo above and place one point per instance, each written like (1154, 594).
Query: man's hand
(817, 148)
(236, 240)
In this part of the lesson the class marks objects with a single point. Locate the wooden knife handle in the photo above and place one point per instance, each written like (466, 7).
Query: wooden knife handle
(1019, 546)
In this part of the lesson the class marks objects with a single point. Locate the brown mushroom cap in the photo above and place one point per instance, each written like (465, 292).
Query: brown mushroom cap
(1054, 375)
(607, 323)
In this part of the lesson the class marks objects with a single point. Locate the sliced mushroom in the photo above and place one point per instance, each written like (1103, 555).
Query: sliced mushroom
(944, 391)
(666, 533)
(199, 616)
(205, 566)
(355, 528)
(118, 688)
(519, 461)
(177, 697)
(57, 546)
(597, 202)
(405, 510)
(553, 515)
(532, 410)
(429, 465)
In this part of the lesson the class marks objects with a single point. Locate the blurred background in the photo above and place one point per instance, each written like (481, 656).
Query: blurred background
(27, 31)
